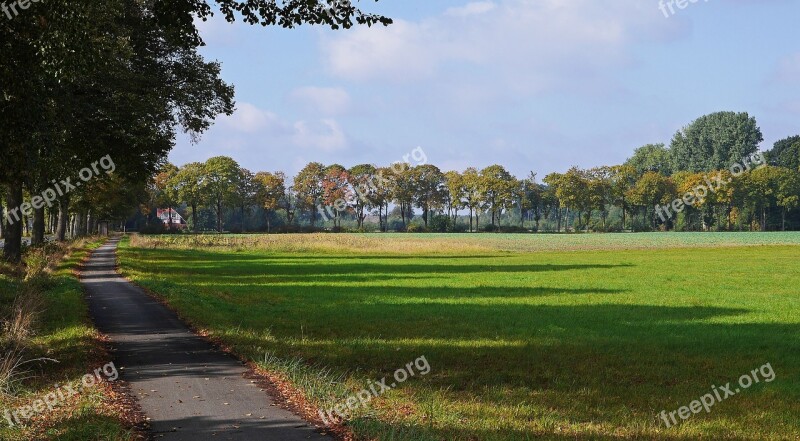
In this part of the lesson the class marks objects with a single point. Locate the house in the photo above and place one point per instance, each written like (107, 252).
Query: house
(171, 219)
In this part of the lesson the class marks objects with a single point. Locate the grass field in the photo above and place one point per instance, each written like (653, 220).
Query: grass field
(524, 341)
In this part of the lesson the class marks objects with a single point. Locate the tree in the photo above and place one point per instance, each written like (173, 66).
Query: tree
(165, 194)
(271, 190)
(600, 192)
(715, 142)
(456, 192)
(623, 178)
(384, 182)
(246, 189)
(308, 188)
(652, 189)
(336, 192)
(785, 153)
(428, 187)
(651, 158)
(473, 195)
(404, 188)
(189, 184)
(220, 186)
(362, 180)
(497, 187)
(787, 191)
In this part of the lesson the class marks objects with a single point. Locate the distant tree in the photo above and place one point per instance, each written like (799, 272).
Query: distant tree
(652, 189)
(785, 153)
(270, 191)
(456, 192)
(473, 195)
(220, 185)
(601, 194)
(623, 178)
(362, 181)
(429, 188)
(189, 184)
(246, 189)
(164, 192)
(336, 191)
(308, 188)
(384, 183)
(715, 142)
(404, 189)
(651, 158)
(497, 188)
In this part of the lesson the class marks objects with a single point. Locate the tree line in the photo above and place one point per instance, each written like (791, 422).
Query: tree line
(82, 79)
(763, 195)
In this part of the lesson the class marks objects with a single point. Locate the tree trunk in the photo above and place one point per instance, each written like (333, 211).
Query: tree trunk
(37, 236)
(12, 251)
(63, 217)
(219, 217)
(194, 217)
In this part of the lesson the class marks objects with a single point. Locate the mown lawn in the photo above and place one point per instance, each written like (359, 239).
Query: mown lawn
(522, 345)
(64, 333)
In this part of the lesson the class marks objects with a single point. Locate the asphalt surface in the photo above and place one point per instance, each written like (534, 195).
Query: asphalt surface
(188, 389)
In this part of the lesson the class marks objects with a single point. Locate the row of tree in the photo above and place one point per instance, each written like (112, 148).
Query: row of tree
(82, 79)
(755, 196)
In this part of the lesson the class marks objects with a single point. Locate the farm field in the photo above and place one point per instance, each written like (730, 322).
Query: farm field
(556, 337)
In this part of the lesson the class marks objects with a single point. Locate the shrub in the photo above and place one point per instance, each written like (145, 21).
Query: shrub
(440, 224)
(414, 228)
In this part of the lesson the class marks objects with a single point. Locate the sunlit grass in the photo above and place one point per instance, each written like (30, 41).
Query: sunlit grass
(522, 345)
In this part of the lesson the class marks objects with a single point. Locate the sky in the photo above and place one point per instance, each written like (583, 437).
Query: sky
(533, 85)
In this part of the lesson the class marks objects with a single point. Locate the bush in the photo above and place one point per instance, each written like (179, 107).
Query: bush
(414, 228)
(439, 224)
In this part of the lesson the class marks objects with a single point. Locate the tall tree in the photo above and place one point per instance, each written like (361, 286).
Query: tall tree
(271, 191)
(429, 189)
(308, 188)
(715, 142)
(189, 184)
(220, 185)
(651, 158)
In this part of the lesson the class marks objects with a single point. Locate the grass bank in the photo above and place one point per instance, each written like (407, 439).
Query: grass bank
(58, 329)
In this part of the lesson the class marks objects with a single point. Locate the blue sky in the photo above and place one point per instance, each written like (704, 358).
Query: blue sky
(534, 85)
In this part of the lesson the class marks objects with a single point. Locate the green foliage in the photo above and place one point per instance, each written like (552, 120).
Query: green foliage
(715, 142)
(651, 158)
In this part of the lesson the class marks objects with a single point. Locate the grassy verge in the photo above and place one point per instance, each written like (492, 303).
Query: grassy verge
(521, 345)
(59, 330)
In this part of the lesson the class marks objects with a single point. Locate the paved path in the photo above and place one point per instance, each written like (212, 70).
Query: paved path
(189, 390)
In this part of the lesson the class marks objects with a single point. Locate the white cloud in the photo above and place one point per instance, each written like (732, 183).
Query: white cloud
(525, 45)
(474, 8)
(328, 101)
(250, 119)
(325, 135)
(788, 69)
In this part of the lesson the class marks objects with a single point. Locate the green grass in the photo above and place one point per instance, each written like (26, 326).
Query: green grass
(64, 333)
(522, 345)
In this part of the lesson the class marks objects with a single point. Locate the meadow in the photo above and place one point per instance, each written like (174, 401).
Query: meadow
(552, 337)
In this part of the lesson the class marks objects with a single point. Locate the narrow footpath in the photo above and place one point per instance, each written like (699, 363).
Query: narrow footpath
(189, 390)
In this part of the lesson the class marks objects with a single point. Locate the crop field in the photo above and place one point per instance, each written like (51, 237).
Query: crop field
(555, 337)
